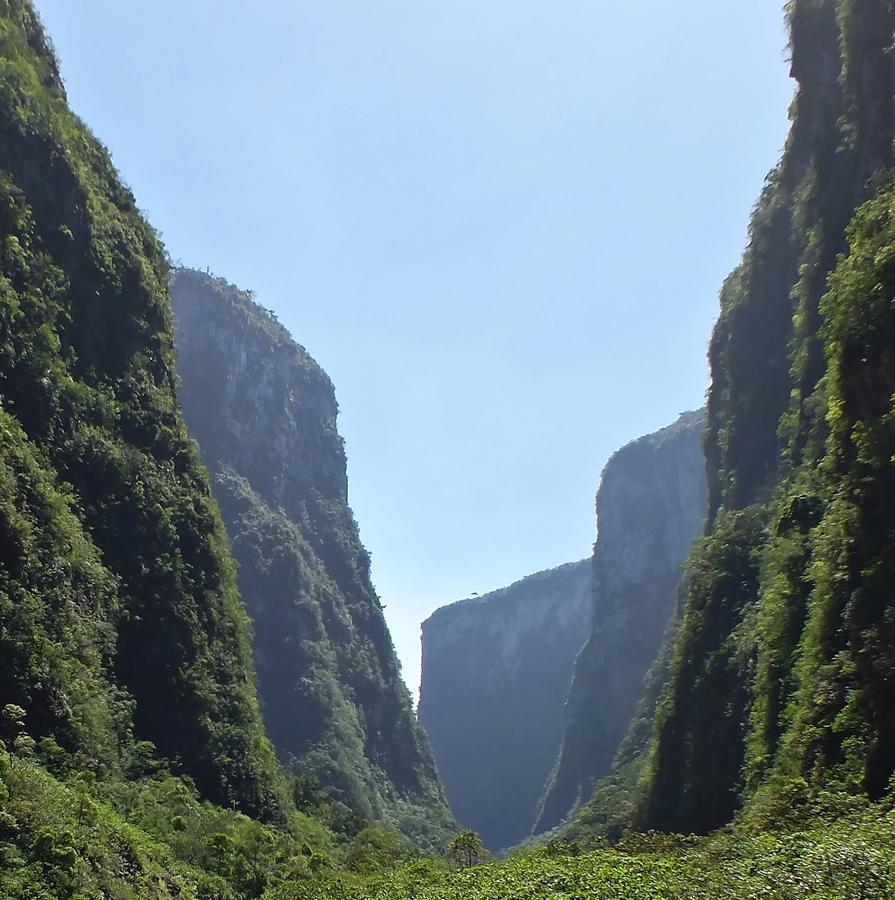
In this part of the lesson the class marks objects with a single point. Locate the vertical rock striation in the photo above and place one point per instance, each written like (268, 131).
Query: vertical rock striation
(781, 680)
(495, 673)
(650, 506)
(264, 414)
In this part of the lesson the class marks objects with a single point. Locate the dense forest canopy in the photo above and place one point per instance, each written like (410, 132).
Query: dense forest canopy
(782, 670)
(88, 393)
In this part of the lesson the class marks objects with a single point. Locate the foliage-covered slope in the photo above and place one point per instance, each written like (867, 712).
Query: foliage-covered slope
(782, 676)
(122, 636)
(766, 356)
(66, 839)
(64, 833)
(853, 857)
(650, 506)
(495, 677)
(264, 414)
(120, 614)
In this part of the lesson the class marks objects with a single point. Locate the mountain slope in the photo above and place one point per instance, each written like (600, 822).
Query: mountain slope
(781, 685)
(120, 610)
(264, 414)
(496, 672)
(650, 507)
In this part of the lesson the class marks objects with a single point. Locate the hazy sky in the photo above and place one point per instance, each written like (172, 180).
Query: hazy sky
(500, 226)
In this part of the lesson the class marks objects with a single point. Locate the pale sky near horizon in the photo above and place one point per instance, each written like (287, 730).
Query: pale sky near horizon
(500, 227)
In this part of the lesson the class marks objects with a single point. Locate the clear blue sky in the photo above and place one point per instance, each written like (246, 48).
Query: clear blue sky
(500, 227)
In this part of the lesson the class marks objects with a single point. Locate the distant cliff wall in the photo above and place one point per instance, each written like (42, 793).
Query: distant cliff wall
(651, 505)
(264, 414)
(495, 674)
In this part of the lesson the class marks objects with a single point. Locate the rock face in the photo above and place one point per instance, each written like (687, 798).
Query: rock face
(782, 678)
(119, 614)
(651, 505)
(335, 706)
(495, 674)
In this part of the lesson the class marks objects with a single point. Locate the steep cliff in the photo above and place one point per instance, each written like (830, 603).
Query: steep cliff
(119, 614)
(264, 414)
(781, 683)
(650, 507)
(495, 674)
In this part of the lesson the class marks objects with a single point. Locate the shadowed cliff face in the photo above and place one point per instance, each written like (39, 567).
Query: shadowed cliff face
(650, 507)
(495, 674)
(118, 603)
(264, 414)
(781, 679)
(775, 687)
(254, 398)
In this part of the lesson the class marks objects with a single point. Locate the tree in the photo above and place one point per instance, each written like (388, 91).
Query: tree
(12, 720)
(466, 849)
(375, 850)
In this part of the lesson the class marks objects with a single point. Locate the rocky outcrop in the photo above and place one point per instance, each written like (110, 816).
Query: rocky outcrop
(651, 505)
(335, 706)
(495, 674)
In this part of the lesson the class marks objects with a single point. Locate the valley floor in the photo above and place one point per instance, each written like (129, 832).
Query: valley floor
(154, 838)
(852, 860)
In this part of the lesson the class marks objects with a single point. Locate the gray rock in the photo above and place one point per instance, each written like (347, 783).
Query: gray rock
(651, 505)
(495, 674)
(335, 706)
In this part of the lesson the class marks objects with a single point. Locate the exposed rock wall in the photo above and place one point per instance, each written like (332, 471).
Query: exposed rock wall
(495, 674)
(651, 505)
(264, 414)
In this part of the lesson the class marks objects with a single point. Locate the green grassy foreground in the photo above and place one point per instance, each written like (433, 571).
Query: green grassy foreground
(848, 861)
(68, 837)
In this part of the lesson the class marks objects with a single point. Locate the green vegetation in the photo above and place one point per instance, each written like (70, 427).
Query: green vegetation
(119, 597)
(843, 861)
(780, 678)
(838, 726)
(335, 706)
(153, 837)
(466, 850)
(135, 745)
(69, 834)
(708, 664)
(133, 759)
